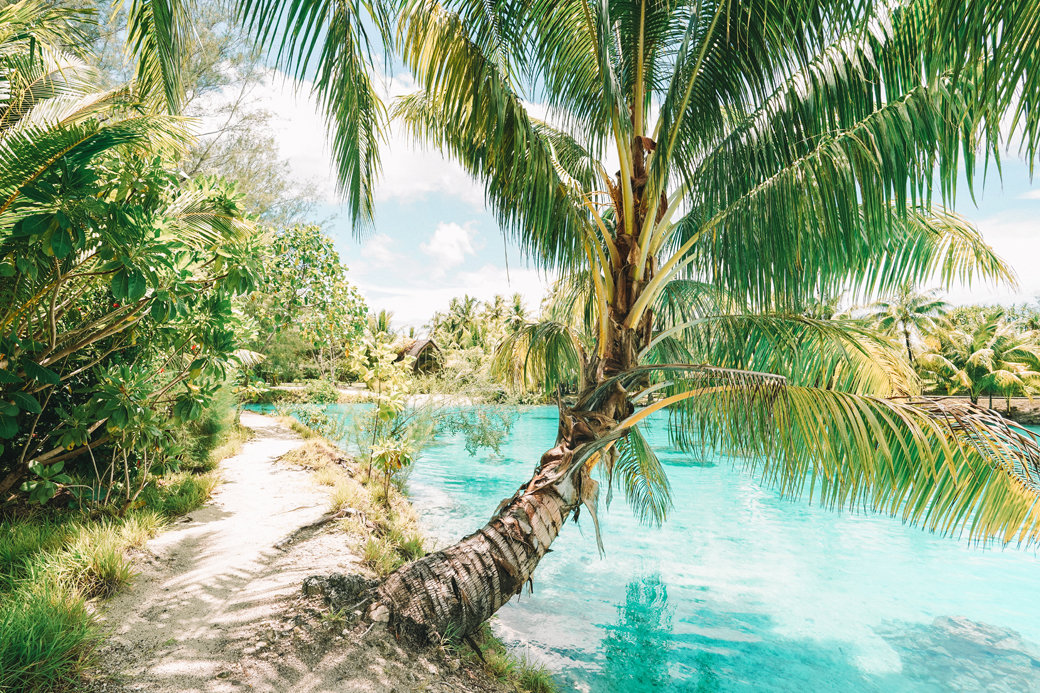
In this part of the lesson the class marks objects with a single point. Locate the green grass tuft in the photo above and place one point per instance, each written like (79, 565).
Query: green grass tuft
(47, 637)
(180, 493)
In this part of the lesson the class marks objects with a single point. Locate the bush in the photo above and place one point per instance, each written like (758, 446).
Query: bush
(321, 392)
(202, 436)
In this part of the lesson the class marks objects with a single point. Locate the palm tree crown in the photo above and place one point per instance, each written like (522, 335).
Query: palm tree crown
(909, 314)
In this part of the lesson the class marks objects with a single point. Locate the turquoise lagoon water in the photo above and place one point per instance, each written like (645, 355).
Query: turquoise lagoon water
(742, 590)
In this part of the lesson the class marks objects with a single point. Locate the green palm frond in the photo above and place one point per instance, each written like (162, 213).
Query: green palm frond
(33, 83)
(941, 464)
(206, 217)
(572, 302)
(839, 354)
(540, 356)
(329, 43)
(157, 36)
(469, 109)
(637, 470)
(29, 27)
(28, 152)
(682, 300)
(996, 42)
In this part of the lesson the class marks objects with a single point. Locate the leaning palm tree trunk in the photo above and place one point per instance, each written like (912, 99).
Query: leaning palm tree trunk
(458, 588)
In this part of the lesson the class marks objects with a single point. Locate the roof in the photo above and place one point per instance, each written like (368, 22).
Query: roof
(416, 347)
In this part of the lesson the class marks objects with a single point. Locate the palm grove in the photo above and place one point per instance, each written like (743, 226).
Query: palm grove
(702, 174)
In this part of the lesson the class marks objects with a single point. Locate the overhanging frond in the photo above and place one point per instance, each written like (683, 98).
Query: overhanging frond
(540, 356)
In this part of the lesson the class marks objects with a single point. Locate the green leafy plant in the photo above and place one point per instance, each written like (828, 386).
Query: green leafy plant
(391, 457)
(48, 479)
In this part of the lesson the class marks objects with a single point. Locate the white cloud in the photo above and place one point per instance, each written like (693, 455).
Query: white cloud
(449, 245)
(1030, 195)
(1015, 236)
(409, 170)
(378, 251)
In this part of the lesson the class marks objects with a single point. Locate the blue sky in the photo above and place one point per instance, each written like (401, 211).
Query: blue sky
(433, 238)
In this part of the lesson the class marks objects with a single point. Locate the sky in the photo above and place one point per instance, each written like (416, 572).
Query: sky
(433, 238)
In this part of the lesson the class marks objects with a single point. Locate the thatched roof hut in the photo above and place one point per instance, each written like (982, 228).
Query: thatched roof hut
(426, 353)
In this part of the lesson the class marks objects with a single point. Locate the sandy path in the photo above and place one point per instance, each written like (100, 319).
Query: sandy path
(217, 606)
(205, 583)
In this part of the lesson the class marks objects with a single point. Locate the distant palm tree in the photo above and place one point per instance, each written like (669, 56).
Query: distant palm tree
(381, 322)
(909, 313)
(495, 309)
(996, 358)
(516, 316)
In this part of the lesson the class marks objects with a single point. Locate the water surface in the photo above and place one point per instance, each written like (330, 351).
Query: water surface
(744, 591)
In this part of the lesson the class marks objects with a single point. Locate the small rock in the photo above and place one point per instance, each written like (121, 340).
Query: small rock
(261, 645)
(379, 614)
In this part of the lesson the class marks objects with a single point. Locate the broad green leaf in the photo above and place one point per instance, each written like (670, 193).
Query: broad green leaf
(39, 373)
(8, 426)
(26, 402)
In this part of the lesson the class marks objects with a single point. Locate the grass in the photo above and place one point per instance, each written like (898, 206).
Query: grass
(53, 562)
(298, 428)
(388, 530)
(524, 674)
(388, 533)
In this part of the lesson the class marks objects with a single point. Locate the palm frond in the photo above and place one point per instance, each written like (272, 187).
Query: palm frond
(469, 109)
(157, 36)
(637, 470)
(540, 356)
(945, 465)
(340, 68)
(29, 27)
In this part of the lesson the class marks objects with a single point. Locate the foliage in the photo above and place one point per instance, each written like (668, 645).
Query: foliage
(391, 457)
(305, 300)
(117, 324)
(320, 392)
(483, 426)
(468, 334)
(995, 357)
(909, 314)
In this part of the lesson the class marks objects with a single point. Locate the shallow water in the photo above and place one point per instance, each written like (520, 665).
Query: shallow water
(744, 591)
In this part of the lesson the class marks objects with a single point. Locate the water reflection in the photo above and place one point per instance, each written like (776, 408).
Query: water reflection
(637, 647)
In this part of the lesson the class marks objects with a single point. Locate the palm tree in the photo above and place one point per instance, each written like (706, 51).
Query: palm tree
(771, 152)
(909, 313)
(381, 322)
(995, 358)
(516, 315)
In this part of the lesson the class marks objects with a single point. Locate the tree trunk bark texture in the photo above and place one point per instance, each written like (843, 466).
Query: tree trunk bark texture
(453, 591)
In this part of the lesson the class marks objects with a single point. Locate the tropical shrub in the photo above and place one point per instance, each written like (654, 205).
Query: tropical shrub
(116, 319)
(308, 314)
